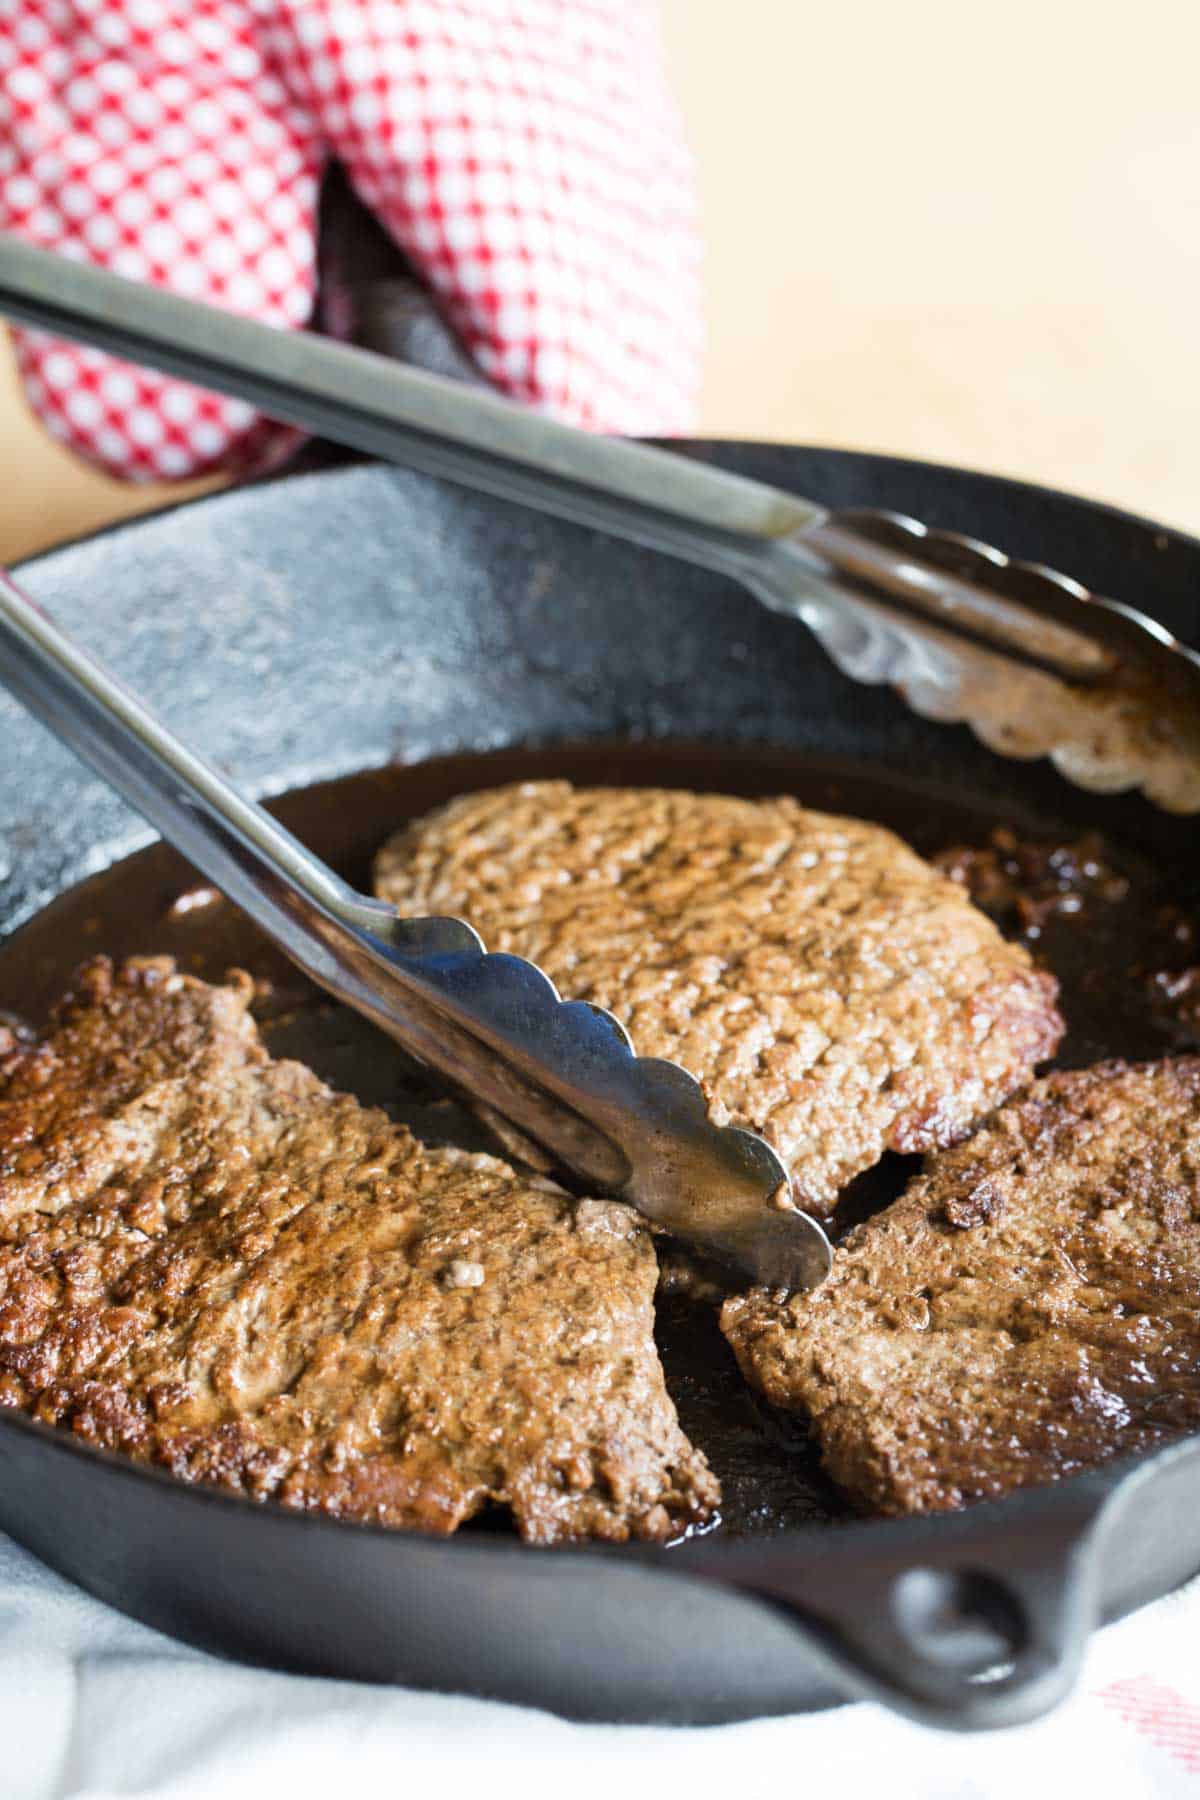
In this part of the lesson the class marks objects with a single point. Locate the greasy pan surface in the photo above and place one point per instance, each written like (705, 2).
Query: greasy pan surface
(314, 628)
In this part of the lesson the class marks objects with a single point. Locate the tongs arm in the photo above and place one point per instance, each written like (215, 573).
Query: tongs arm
(443, 427)
(563, 1074)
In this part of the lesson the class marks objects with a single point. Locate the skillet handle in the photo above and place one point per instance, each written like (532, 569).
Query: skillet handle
(979, 1625)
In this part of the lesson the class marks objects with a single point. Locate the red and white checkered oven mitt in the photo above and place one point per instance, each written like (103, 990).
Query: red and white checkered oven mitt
(523, 154)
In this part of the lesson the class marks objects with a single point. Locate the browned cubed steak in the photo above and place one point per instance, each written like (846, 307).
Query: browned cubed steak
(210, 1261)
(1028, 1308)
(825, 985)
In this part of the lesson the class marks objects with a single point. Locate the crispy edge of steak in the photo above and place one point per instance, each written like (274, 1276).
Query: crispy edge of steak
(825, 984)
(1028, 1308)
(211, 1262)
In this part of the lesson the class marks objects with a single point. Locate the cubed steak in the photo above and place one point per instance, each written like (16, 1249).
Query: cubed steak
(211, 1262)
(826, 986)
(1030, 1306)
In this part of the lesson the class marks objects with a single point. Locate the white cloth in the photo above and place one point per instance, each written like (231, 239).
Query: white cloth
(92, 1705)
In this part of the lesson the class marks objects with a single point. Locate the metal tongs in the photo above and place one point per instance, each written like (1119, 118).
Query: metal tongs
(1032, 661)
(1027, 657)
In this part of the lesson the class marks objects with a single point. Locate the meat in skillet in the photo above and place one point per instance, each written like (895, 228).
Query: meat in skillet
(825, 985)
(210, 1261)
(1030, 1307)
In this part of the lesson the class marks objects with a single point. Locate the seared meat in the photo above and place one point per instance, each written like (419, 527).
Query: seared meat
(826, 986)
(210, 1261)
(1030, 1307)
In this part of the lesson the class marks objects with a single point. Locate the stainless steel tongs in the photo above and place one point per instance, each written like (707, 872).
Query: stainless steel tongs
(1028, 658)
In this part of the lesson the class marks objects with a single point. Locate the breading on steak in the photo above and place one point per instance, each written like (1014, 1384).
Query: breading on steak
(1029, 1307)
(826, 986)
(210, 1261)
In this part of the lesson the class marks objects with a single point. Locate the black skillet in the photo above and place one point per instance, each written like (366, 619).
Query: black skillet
(359, 619)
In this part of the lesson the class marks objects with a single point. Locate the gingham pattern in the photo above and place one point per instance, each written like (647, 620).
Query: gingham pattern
(524, 153)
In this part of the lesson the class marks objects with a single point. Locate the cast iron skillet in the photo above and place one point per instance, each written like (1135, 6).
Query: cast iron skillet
(360, 618)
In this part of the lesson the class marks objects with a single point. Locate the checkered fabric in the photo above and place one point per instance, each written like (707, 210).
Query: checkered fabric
(525, 154)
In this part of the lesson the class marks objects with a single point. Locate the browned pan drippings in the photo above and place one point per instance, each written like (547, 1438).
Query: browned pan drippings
(1121, 933)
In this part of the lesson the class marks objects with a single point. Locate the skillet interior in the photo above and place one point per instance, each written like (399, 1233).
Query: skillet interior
(474, 626)
(768, 1471)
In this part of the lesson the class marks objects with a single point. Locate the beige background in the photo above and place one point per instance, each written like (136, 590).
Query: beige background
(963, 232)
